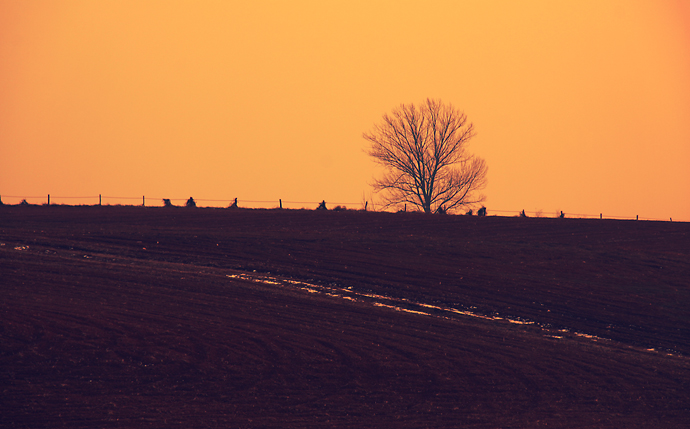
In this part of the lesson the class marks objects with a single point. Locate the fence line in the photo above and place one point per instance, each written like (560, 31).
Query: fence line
(50, 200)
(542, 214)
(102, 199)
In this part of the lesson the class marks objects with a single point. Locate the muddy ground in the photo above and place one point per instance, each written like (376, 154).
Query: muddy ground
(133, 317)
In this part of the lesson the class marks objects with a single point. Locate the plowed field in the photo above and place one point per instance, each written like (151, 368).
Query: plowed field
(133, 317)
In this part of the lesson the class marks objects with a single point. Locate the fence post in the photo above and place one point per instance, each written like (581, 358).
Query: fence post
(281, 202)
(601, 216)
(48, 199)
(99, 199)
(366, 203)
(143, 201)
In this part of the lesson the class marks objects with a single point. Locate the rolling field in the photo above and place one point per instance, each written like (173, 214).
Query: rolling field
(133, 317)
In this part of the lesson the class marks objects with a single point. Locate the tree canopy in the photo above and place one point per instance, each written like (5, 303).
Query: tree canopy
(424, 150)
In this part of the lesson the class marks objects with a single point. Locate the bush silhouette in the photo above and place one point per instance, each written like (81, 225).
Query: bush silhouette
(190, 202)
(481, 211)
(167, 203)
(322, 205)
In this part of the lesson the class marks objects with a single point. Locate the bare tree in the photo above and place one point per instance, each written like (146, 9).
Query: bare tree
(425, 152)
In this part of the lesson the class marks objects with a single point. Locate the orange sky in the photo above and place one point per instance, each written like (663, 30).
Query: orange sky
(579, 106)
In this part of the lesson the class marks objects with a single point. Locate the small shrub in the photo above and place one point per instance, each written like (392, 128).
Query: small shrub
(322, 205)
(166, 202)
(481, 211)
(24, 203)
(469, 212)
(233, 205)
(190, 202)
(522, 213)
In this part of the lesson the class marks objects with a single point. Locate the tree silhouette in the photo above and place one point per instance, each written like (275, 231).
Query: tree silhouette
(424, 150)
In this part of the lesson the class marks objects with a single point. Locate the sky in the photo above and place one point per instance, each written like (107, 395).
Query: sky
(579, 106)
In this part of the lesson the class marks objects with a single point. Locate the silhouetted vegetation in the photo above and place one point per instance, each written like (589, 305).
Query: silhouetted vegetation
(190, 202)
(167, 203)
(233, 205)
(24, 203)
(425, 151)
(469, 212)
(522, 213)
(482, 211)
(322, 205)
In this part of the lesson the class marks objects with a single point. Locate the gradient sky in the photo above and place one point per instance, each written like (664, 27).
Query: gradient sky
(580, 106)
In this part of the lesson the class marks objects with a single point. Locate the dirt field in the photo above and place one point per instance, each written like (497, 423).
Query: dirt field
(132, 317)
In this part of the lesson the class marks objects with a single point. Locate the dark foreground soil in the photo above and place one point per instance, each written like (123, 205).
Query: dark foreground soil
(132, 317)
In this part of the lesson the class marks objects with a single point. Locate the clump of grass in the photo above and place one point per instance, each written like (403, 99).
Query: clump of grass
(167, 203)
(190, 202)
(24, 203)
